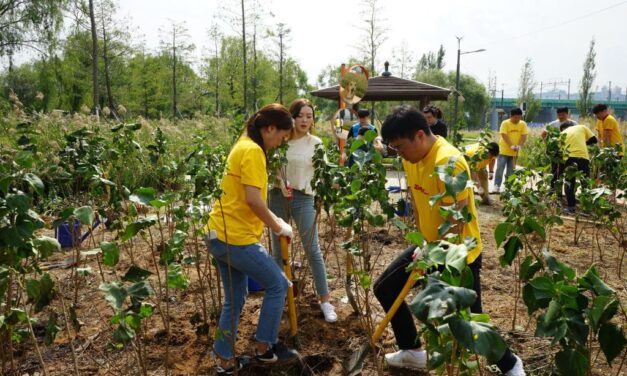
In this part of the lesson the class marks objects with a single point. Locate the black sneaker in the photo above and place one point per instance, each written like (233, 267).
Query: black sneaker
(277, 353)
(231, 370)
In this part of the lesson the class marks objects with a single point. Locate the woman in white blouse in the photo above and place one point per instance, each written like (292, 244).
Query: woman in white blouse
(300, 171)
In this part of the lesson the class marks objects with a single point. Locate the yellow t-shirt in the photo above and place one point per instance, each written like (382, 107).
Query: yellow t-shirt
(575, 143)
(514, 132)
(246, 165)
(610, 124)
(471, 151)
(424, 185)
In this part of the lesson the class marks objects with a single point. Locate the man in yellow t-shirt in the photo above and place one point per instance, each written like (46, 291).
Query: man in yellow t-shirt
(607, 128)
(513, 133)
(575, 152)
(480, 157)
(406, 131)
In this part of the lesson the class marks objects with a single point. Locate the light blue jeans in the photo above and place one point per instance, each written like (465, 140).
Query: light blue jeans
(501, 162)
(250, 260)
(301, 208)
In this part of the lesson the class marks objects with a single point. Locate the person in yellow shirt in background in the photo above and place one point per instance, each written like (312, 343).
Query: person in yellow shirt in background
(235, 227)
(513, 133)
(607, 128)
(406, 131)
(479, 158)
(578, 137)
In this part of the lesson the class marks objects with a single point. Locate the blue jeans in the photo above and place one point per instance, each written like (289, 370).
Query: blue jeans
(501, 162)
(304, 214)
(248, 260)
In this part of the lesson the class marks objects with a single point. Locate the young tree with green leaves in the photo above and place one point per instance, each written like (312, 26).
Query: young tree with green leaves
(585, 96)
(526, 86)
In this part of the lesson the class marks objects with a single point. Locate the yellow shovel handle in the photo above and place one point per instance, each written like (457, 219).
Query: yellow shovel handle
(411, 281)
(291, 307)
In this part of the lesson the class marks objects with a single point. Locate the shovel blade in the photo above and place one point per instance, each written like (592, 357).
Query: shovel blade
(355, 364)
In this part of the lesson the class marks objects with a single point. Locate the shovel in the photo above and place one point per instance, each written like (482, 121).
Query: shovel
(356, 361)
(291, 307)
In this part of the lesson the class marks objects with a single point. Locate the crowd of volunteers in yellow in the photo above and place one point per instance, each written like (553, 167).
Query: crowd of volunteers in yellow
(238, 218)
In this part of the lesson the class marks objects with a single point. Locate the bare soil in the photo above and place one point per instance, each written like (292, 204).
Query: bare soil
(323, 346)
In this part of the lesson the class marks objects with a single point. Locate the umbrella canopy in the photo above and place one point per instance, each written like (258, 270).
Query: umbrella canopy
(390, 88)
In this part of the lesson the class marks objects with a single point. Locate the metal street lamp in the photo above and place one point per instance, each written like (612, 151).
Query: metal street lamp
(459, 53)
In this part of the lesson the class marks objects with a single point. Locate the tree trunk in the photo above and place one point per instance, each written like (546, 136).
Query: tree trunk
(281, 67)
(174, 110)
(105, 59)
(217, 80)
(255, 67)
(244, 58)
(94, 59)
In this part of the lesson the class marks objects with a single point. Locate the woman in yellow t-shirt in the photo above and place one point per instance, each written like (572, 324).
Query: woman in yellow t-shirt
(236, 225)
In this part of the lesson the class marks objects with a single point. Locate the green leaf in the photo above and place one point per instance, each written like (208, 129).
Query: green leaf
(531, 225)
(456, 256)
(612, 341)
(370, 135)
(85, 214)
(529, 268)
(512, 246)
(532, 302)
(133, 228)
(25, 159)
(552, 312)
(19, 202)
(123, 334)
(133, 126)
(51, 329)
(110, 253)
(501, 232)
(40, 292)
(46, 246)
(35, 182)
(139, 291)
(439, 299)
(593, 279)
(143, 196)
(558, 267)
(603, 309)
(136, 274)
(355, 186)
(146, 310)
(115, 294)
(5, 183)
(571, 362)
(415, 238)
(357, 143)
(176, 278)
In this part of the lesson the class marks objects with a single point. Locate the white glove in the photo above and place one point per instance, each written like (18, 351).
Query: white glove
(417, 254)
(286, 229)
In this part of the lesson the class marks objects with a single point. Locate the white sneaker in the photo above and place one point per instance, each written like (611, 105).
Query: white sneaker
(496, 190)
(518, 369)
(329, 312)
(416, 360)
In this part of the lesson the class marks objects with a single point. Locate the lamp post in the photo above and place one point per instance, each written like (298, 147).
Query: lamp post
(459, 53)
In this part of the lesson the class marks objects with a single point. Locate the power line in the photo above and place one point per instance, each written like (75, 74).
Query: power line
(562, 24)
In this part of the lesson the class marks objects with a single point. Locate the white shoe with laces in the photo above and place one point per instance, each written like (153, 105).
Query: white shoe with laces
(413, 359)
(518, 369)
(329, 312)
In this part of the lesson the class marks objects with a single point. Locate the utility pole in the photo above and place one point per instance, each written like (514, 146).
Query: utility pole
(568, 95)
(609, 95)
(502, 93)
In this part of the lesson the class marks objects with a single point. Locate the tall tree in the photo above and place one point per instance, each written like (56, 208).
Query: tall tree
(585, 96)
(244, 55)
(94, 60)
(403, 59)
(526, 85)
(374, 30)
(29, 24)
(176, 43)
(432, 60)
(212, 68)
(281, 36)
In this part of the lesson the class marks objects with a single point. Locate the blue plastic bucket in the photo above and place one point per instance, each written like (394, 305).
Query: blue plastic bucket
(63, 234)
(253, 286)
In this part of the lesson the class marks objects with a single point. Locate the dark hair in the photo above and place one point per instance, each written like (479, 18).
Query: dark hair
(566, 124)
(515, 111)
(363, 113)
(493, 148)
(404, 122)
(433, 110)
(270, 114)
(561, 110)
(298, 105)
(599, 108)
(363, 130)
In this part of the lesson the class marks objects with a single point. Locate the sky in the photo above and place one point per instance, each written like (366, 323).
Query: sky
(555, 34)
